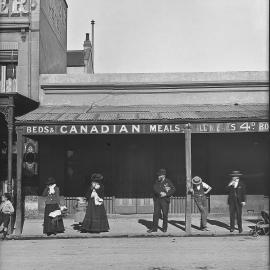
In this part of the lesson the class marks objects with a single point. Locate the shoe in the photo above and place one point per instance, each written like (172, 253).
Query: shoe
(164, 230)
(204, 229)
(240, 230)
(4, 235)
(152, 230)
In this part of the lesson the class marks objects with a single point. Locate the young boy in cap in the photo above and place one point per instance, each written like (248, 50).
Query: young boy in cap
(236, 199)
(6, 209)
(163, 190)
(200, 199)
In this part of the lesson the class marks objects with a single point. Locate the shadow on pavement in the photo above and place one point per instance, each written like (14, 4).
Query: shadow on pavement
(181, 224)
(146, 223)
(218, 223)
(77, 227)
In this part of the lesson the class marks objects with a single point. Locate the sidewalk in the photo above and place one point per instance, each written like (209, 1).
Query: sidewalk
(137, 226)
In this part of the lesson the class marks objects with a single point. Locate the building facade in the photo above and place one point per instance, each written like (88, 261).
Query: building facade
(126, 126)
(32, 41)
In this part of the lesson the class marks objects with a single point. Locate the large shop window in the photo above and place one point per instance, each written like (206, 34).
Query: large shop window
(8, 65)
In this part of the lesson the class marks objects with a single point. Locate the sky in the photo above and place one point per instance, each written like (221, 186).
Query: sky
(142, 36)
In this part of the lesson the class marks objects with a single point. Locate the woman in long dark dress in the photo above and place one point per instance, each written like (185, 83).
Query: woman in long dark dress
(95, 219)
(53, 223)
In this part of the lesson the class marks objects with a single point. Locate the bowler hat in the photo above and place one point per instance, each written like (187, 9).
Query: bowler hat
(235, 173)
(96, 177)
(196, 180)
(161, 172)
(50, 181)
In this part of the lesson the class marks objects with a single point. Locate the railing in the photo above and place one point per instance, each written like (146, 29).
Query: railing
(72, 203)
(177, 205)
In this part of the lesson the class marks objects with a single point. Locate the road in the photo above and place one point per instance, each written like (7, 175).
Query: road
(208, 253)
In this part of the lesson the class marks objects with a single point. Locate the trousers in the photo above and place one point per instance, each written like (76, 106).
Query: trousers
(235, 210)
(201, 203)
(161, 205)
(4, 219)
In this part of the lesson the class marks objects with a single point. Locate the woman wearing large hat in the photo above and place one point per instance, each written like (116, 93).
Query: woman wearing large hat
(95, 219)
(52, 225)
(236, 199)
(199, 193)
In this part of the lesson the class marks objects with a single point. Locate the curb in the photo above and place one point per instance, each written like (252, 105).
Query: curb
(89, 236)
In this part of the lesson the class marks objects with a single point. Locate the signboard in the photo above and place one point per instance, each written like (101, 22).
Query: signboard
(16, 8)
(236, 127)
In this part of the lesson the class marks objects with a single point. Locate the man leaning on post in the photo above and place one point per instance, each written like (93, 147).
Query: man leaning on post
(163, 190)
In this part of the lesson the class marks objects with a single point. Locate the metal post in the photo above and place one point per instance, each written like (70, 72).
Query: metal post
(188, 178)
(93, 36)
(10, 126)
(19, 181)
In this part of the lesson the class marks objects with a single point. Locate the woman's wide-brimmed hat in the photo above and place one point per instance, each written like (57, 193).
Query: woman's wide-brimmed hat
(235, 173)
(196, 180)
(161, 172)
(96, 177)
(51, 181)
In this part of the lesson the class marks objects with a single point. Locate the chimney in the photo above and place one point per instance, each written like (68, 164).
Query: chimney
(87, 43)
(86, 53)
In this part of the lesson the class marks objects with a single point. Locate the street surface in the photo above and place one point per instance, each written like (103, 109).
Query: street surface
(165, 253)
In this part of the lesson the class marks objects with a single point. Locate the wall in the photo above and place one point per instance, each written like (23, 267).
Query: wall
(53, 36)
(75, 70)
(155, 89)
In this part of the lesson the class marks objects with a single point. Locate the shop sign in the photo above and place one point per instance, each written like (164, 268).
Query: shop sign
(16, 7)
(146, 128)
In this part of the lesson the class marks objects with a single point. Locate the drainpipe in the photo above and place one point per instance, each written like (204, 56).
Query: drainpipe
(30, 52)
(93, 33)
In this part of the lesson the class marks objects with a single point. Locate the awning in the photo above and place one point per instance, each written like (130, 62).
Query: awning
(153, 113)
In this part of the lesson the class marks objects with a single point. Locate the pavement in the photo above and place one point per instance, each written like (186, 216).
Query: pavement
(137, 226)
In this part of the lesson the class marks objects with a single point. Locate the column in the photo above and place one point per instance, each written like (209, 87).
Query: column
(20, 144)
(10, 145)
(188, 178)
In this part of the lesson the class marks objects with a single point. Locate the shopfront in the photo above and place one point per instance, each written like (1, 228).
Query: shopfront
(129, 152)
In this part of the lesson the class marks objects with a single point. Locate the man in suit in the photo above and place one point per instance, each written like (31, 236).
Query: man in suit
(163, 190)
(236, 199)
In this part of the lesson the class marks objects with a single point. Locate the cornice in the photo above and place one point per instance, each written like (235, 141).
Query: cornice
(144, 88)
(14, 23)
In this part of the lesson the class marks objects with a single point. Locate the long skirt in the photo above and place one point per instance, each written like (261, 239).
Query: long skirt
(52, 225)
(95, 219)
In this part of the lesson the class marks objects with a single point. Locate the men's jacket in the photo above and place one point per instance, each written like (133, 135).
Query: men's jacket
(165, 186)
(237, 194)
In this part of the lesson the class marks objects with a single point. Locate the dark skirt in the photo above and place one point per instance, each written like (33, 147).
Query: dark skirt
(52, 225)
(95, 219)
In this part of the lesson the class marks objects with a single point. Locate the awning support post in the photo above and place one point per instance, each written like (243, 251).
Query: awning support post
(20, 144)
(10, 125)
(188, 178)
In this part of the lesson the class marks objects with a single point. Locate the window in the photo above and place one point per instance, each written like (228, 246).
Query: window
(8, 64)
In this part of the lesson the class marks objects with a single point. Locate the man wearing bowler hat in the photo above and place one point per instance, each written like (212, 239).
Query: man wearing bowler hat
(163, 190)
(236, 199)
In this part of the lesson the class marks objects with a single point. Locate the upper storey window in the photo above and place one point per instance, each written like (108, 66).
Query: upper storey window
(8, 66)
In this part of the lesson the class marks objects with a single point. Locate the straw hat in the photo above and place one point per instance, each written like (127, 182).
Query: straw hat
(196, 180)
(235, 173)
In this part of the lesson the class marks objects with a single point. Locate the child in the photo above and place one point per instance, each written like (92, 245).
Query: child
(6, 209)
